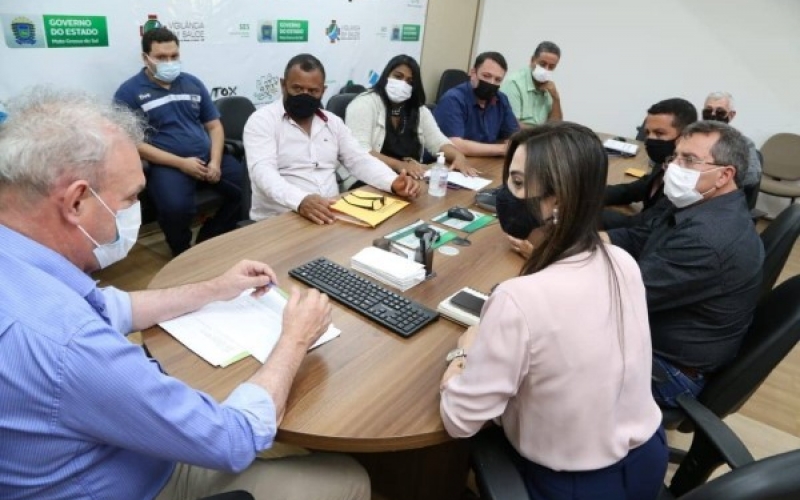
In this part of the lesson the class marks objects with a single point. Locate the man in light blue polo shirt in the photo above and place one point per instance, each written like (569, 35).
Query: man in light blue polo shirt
(185, 143)
(475, 116)
(531, 91)
(84, 413)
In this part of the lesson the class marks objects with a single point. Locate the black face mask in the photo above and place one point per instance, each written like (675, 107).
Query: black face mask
(485, 90)
(718, 115)
(659, 150)
(514, 215)
(301, 106)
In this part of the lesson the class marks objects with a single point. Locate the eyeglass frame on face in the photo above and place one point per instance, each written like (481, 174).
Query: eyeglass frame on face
(690, 161)
(372, 199)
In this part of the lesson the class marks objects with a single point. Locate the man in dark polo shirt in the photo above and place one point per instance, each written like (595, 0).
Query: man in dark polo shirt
(475, 115)
(184, 144)
(701, 261)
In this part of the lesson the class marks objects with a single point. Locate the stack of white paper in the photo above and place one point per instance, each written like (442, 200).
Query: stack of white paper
(388, 268)
(459, 179)
(625, 148)
(225, 332)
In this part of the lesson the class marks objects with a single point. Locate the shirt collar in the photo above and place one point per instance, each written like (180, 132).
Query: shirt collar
(38, 256)
(725, 202)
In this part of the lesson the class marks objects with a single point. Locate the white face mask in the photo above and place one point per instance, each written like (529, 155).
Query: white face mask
(166, 71)
(128, 220)
(398, 90)
(680, 185)
(541, 75)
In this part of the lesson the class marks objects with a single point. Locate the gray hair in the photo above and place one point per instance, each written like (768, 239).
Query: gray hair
(53, 136)
(731, 147)
(549, 47)
(717, 96)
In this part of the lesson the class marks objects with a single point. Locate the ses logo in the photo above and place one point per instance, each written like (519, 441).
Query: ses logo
(186, 31)
(336, 33)
(267, 89)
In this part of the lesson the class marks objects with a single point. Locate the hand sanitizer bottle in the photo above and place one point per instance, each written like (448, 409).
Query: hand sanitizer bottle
(437, 184)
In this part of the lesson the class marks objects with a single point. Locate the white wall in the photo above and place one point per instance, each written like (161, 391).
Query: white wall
(621, 56)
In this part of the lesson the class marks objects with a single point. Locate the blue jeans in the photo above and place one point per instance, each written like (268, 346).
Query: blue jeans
(638, 476)
(674, 383)
(173, 194)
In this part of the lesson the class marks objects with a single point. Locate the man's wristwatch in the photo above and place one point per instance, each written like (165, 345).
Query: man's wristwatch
(458, 352)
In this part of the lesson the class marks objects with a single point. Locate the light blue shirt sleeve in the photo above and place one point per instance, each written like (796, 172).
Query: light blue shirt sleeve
(136, 407)
(257, 406)
(118, 309)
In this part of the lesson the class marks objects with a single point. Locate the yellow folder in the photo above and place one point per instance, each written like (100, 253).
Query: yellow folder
(366, 208)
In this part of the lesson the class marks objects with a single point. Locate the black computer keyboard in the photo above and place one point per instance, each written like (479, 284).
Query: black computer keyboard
(397, 313)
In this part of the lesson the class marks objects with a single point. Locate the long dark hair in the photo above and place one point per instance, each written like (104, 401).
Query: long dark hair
(567, 160)
(417, 98)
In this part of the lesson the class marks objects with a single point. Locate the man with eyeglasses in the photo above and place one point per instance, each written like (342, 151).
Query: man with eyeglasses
(184, 147)
(294, 148)
(720, 106)
(700, 261)
(476, 116)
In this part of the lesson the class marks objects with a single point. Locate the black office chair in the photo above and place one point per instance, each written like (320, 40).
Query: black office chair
(450, 78)
(775, 478)
(751, 193)
(774, 332)
(714, 444)
(353, 88)
(641, 133)
(231, 495)
(779, 239)
(338, 104)
(234, 112)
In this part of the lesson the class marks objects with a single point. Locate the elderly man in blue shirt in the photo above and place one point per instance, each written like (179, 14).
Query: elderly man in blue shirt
(84, 414)
(476, 116)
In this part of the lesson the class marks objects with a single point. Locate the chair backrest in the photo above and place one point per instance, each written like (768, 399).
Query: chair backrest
(779, 239)
(773, 478)
(450, 78)
(774, 332)
(353, 88)
(234, 112)
(641, 133)
(338, 104)
(751, 190)
(782, 156)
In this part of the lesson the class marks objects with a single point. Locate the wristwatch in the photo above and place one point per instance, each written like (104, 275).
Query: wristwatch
(458, 352)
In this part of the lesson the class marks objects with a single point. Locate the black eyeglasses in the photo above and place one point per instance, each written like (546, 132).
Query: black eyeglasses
(375, 203)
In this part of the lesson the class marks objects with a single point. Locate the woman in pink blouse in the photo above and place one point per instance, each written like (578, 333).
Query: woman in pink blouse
(562, 354)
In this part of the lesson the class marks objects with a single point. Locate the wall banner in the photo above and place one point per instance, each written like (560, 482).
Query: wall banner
(236, 47)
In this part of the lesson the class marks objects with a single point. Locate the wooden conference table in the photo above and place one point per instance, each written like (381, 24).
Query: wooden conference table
(369, 391)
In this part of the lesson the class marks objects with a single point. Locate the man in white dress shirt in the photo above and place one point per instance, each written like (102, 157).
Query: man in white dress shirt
(294, 147)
